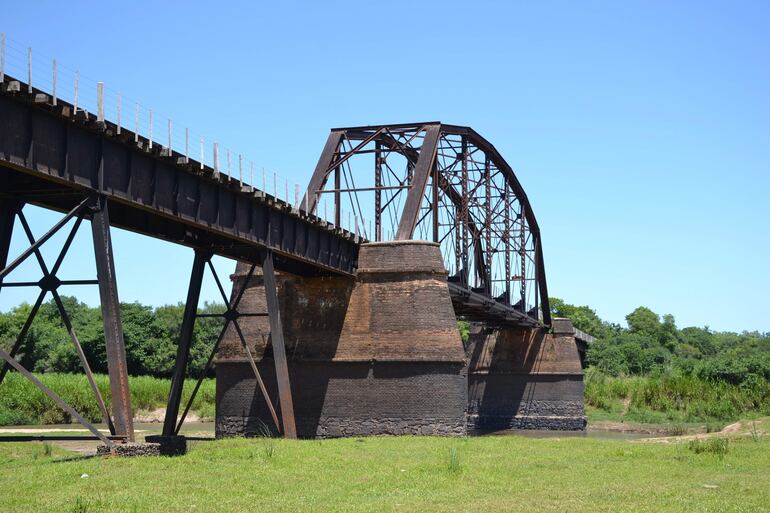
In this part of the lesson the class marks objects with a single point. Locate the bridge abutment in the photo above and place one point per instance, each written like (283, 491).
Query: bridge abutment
(378, 354)
(525, 378)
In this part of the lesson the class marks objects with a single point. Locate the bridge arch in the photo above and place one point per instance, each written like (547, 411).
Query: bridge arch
(447, 184)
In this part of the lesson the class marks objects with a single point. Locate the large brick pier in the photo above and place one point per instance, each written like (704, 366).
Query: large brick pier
(381, 354)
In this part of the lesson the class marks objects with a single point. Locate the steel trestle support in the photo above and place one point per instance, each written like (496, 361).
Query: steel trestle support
(117, 366)
(286, 424)
(11, 210)
(185, 340)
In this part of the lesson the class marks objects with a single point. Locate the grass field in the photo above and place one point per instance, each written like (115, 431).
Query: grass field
(495, 473)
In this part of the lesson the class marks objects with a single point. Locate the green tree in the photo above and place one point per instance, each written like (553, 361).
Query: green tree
(644, 321)
(583, 317)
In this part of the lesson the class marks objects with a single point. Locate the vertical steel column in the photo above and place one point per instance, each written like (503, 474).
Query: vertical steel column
(418, 181)
(488, 227)
(8, 209)
(458, 240)
(279, 348)
(185, 340)
(506, 244)
(465, 201)
(523, 256)
(377, 191)
(117, 367)
(434, 184)
(337, 206)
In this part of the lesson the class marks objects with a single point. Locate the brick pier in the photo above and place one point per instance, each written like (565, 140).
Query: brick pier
(378, 354)
(381, 354)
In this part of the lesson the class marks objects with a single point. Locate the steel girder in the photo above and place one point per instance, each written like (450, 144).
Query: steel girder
(447, 184)
(52, 158)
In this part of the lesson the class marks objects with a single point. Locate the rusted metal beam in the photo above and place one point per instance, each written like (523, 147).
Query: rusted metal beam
(154, 193)
(320, 174)
(279, 348)
(83, 361)
(185, 341)
(8, 209)
(364, 189)
(51, 283)
(377, 192)
(39, 242)
(23, 333)
(419, 181)
(55, 398)
(231, 314)
(257, 375)
(198, 383)
(117, 366)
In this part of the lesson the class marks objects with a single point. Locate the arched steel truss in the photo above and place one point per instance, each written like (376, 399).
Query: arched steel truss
(444, 183)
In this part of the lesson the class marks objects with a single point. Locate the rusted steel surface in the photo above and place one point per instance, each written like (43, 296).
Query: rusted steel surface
(185, 340)
(279, 348)
(51, 158)
(117, 366)
(54, 397)
(230, 316)
(8, 209)
(447, 184)
(84, 362)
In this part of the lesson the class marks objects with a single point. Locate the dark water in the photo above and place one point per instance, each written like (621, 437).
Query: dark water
(545, 433)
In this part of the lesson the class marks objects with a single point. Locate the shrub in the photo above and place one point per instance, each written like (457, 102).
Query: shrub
(716, 446)
(23, 403)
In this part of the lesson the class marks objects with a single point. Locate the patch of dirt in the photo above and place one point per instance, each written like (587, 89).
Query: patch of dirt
(734, 430)
(32, 431)
(628, 427)
(159, 415)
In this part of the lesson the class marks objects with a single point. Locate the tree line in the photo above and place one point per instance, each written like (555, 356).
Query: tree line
(151, 335)
(649, 344)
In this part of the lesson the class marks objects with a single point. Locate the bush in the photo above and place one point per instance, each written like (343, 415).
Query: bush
(675, 397)
(716, 446)
(23, 403)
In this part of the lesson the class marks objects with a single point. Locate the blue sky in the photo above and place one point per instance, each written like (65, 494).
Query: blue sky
(640, 130)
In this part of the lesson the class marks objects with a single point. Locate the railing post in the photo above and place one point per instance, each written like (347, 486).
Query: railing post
(117, 365)
(185, 339)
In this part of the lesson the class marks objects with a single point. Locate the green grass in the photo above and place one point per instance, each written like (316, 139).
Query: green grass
(498, 473)
(672, 399)
(22, 403)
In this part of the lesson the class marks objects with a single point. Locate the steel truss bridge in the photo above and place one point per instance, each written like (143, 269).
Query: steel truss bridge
(428, 181)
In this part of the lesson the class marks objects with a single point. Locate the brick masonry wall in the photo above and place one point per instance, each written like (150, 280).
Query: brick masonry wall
(333, 399)
(524, 379)
(380, 354)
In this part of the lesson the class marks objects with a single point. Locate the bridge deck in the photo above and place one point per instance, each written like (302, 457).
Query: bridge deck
(53, 158)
